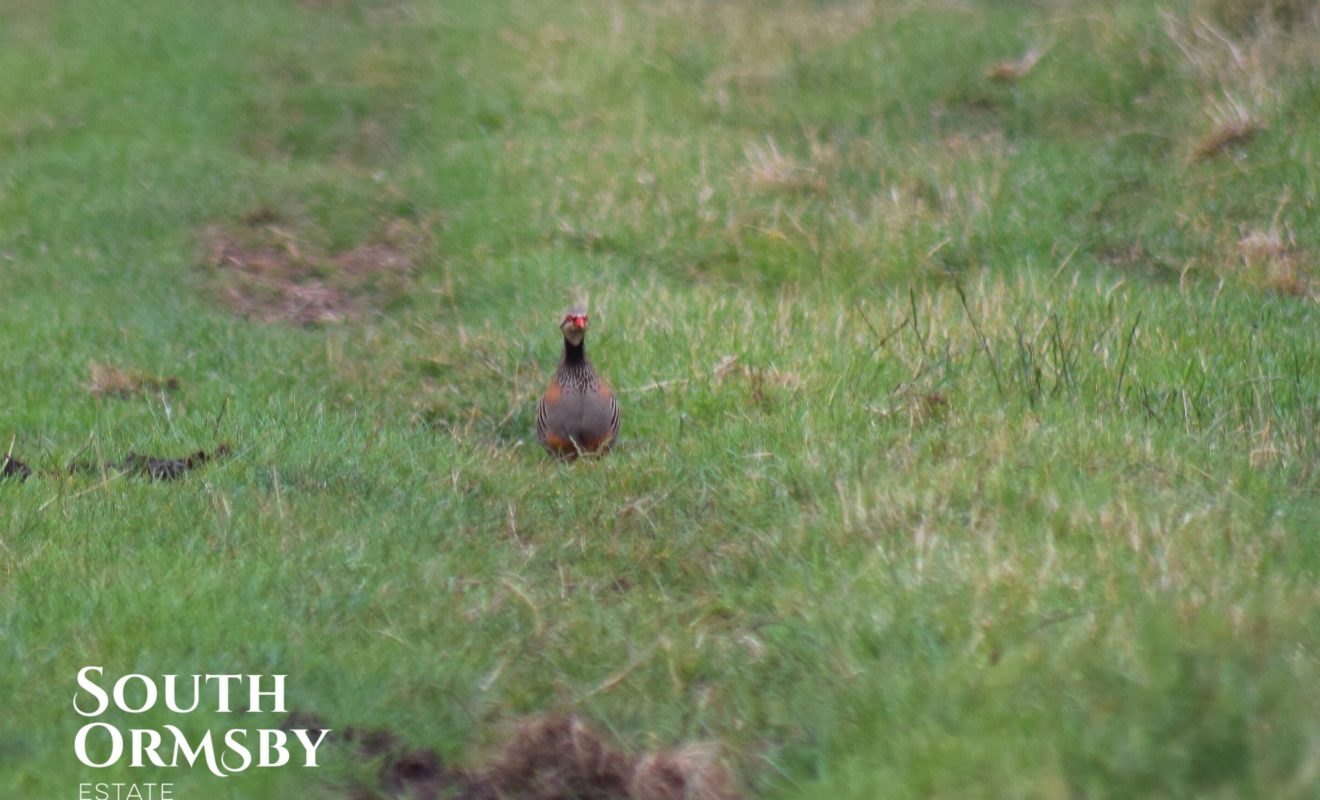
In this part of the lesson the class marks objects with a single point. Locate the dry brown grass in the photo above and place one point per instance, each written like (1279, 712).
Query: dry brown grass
(758, 42)
(1271, 257)
(769, 170)
(1014, 70)
(1239, 66)
(1248, 15)
(1226, 134)
(562, 757)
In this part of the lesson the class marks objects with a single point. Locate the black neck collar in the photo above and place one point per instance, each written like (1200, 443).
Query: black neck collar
(575, 353)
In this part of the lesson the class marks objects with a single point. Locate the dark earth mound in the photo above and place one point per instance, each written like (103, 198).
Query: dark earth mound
(13, 468)
(552, 757)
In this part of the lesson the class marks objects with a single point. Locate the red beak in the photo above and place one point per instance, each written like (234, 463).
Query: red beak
(579, 322)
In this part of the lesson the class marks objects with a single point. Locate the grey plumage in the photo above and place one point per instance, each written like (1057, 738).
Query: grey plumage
(579, 413)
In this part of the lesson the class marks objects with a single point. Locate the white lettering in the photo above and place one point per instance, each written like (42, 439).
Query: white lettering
(102, 698)
(255, 694)
(171, 694)
(223, 682)
(147, 683)
(273, 739)
(80, 744)
(205, 745)
(309, 745)
(149, 747)
(231, 739)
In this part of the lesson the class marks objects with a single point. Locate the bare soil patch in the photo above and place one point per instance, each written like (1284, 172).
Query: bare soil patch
(156, 468)
(275, 273)
(109, 381)
(11, 467)
(168, 469)
(553, 757)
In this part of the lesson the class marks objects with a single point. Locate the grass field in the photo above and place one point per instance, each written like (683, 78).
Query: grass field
(969, 355)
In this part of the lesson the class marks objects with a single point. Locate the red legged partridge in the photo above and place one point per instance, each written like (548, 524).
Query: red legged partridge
(578, 414)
